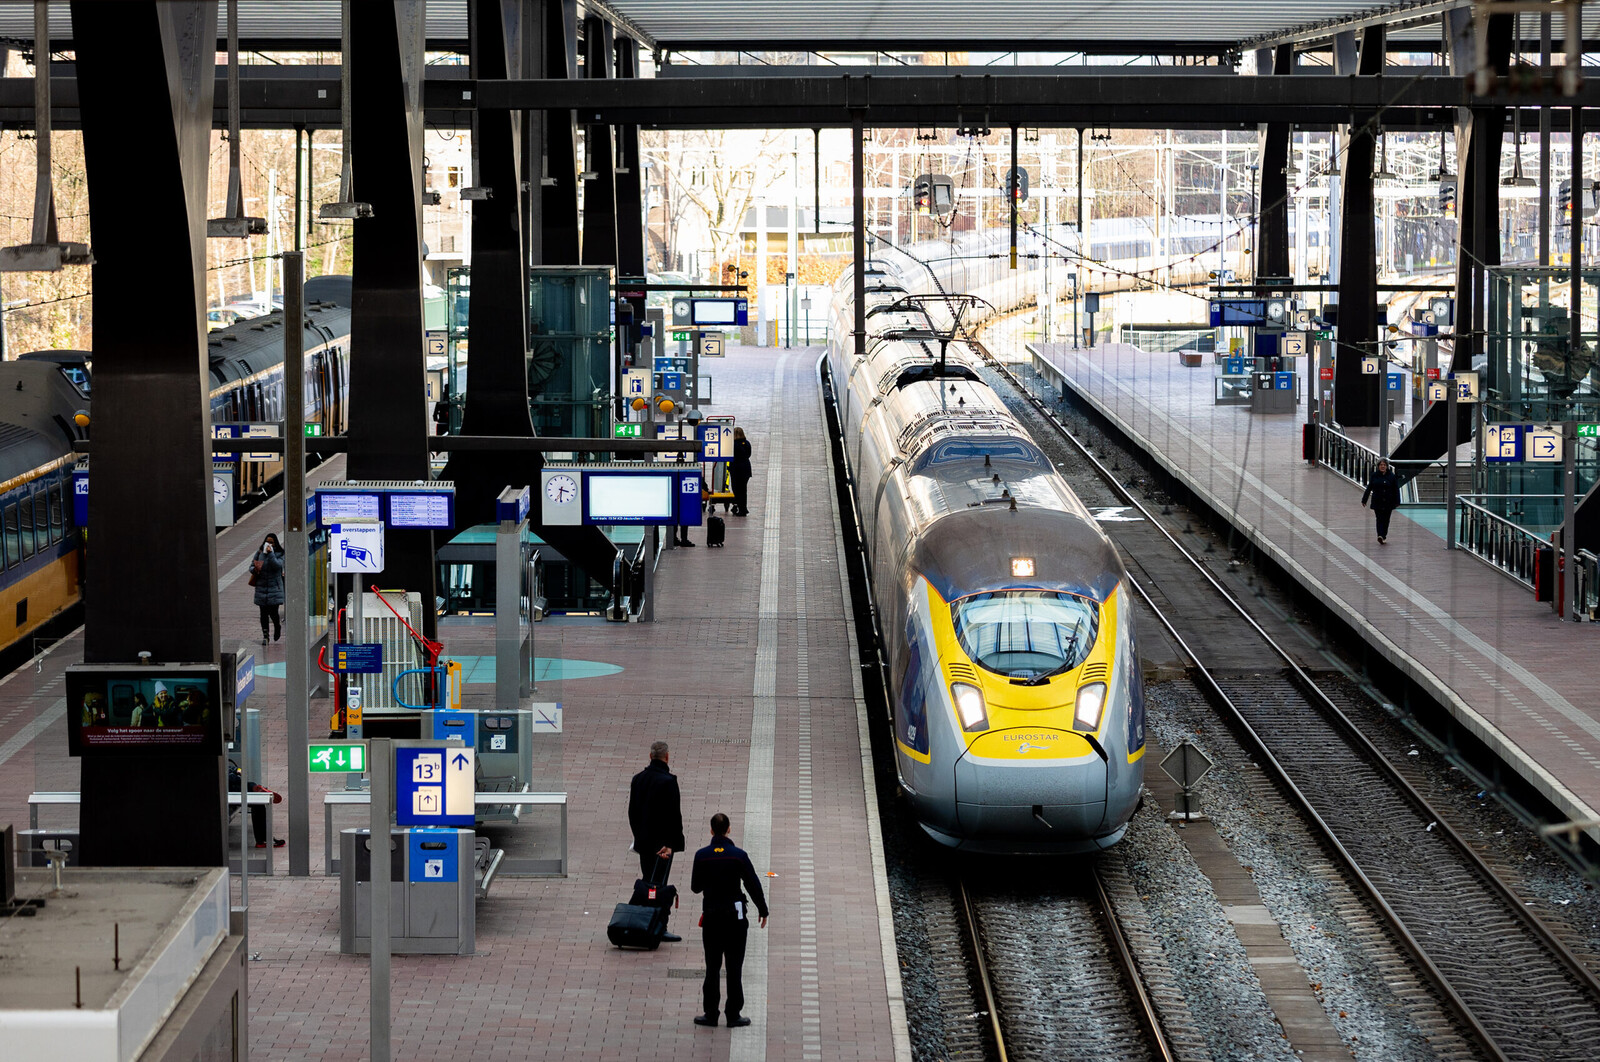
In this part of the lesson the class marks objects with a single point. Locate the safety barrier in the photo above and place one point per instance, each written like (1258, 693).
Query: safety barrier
(1500, 543)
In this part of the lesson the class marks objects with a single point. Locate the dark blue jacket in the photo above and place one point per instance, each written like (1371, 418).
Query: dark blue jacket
(742, 452)
(1384, 490)
(719, 869)
(269, 580)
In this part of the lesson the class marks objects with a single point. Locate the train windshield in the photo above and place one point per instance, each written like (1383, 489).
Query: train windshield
(1026, 633)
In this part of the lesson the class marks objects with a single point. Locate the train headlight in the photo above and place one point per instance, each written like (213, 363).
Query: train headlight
(1091, 701)
(969, 706)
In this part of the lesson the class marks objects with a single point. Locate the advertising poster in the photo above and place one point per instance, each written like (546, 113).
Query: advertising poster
(143, 709)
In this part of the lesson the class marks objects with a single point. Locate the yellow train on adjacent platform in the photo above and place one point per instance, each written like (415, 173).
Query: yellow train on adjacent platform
(1016, 691)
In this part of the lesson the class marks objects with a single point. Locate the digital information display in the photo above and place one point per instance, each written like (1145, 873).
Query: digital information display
(629, 497)
(431, 510)
(338, 506)
(714, 311)
(143, 710)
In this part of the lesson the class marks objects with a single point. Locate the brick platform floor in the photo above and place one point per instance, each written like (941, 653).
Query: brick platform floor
(747, 672)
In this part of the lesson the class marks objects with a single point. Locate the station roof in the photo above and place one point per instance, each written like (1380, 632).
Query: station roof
(1105, 26)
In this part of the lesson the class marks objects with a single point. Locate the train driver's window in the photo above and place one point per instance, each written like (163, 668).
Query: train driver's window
(26, 509)
(13, 536)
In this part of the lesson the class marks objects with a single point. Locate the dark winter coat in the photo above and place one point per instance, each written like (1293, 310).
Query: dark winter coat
(1384, 490)
(269, 580)
(741, 459)
(654, 812)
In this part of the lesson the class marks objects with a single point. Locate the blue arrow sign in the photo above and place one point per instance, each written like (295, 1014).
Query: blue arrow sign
(461, 761)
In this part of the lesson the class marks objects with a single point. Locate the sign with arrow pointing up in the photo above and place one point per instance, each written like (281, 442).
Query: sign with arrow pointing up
(435, 784)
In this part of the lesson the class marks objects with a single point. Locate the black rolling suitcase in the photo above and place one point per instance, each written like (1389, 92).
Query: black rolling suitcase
(641, 921)
(716, 531)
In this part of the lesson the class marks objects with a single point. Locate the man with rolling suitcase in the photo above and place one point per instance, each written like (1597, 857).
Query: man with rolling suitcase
(655, 816)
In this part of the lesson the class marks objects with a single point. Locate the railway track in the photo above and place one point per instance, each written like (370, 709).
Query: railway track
(1515, 987)
(1055, 976)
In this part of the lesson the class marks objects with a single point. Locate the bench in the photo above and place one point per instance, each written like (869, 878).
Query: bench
(485, 864)
(533, 868)
(37, 839)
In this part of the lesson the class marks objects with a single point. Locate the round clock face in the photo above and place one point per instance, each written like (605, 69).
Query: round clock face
(1275, 311)
(561, 489)
(219, 488)
(680, 308)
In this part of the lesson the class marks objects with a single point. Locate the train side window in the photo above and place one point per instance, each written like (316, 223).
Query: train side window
(25, 508)
(56, 513)
(13, 537)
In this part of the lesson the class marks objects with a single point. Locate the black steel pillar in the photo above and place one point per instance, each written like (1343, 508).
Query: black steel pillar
(1356, 394)
(526, 42)
(1272, 237)
(630, 180)
(600, 190)
(558, 232)
(152, 565)
(1478, 136)
(388, 430)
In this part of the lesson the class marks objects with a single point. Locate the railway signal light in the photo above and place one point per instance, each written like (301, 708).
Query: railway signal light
(1017, 184)
(1447, 199)
(922, 192)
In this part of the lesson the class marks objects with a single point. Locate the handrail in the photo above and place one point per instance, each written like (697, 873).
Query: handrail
(437, 671)
(1501, 543)
(1588, 592)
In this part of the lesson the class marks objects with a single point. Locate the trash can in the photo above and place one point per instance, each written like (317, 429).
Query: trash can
(432, 894)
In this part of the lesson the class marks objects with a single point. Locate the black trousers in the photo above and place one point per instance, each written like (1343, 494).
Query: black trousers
(269, 614)
(1383, 521)
(724, 937)
(647, 866)
(741, 489)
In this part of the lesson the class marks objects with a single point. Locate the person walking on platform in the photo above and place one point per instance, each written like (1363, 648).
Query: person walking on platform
(266, 575)
(720, 868)
(655, 816)
(1383, 488)
(741, 472)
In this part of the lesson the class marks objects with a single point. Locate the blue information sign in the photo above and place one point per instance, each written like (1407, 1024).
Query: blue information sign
(358, 658)
(1285, 380)
(434, 786)
(1234, 366)
(1397, 381)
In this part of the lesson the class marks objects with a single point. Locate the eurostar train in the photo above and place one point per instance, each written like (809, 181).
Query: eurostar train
(1005, 612)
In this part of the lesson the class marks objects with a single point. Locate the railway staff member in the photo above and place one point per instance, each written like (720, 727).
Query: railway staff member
(719, 869)
(655, 815)
(1384, 490)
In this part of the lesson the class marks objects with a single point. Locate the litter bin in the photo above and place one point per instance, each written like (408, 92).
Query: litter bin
(432, 895)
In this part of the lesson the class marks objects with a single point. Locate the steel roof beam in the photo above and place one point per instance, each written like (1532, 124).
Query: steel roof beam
(1087, 46)
(1395, 15)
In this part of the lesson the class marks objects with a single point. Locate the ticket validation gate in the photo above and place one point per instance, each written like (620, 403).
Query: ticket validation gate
(432, 894)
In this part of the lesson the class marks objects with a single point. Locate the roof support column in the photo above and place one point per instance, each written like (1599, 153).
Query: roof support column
(1272, 239)
(529, 47)
(630, 178)
(1479, 131)
(1356, 394)
(558, 233)
(153, 581)
(497, 386)
(388, 436)
(600, 193)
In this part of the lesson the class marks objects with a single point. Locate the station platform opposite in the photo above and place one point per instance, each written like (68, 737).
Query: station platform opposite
(1503, 664)
(747, 672)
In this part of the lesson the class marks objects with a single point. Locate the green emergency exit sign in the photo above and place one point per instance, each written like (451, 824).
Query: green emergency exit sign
(313, 430)
(625, 431)
(342, 758)
(680, 337)
(1589, 431)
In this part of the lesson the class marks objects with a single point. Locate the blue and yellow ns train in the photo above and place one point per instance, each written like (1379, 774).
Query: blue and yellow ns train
(41, 395)
(1005, 613)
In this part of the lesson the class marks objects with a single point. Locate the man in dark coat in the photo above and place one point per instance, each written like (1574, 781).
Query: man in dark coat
(655, 815)
(1383, 488)
(720, 868)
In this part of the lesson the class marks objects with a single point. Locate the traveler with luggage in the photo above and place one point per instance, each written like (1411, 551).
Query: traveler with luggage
(720, 868)
(655, 816)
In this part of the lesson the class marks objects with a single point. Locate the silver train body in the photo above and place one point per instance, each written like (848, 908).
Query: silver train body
(1005, 612)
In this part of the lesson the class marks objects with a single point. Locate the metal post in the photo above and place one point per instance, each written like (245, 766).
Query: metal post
(1569, 518)
(297, 586)
(1083, 249)
(1544, 153)
(1011, 193)
(858, 167)
(243, 740)
(299, 188)
(1575, 329)
(380, 760)
(1450, 467)
(1383, 398)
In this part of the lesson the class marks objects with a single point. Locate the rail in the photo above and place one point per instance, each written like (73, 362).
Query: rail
(1588, 592)
(1500, 543)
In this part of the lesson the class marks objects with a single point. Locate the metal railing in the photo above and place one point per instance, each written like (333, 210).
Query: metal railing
(1588, 592)
(1497, 541)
